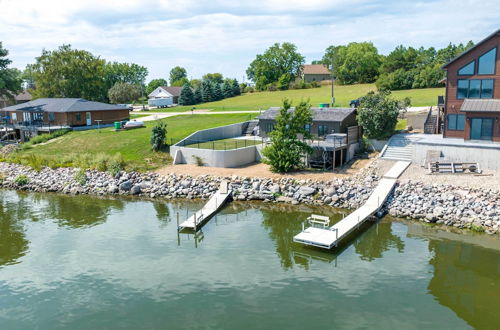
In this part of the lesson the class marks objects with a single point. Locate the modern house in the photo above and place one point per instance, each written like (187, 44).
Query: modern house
(325, 121)
(472, 105)
(164, 96)
(315, 72)
(30, 118)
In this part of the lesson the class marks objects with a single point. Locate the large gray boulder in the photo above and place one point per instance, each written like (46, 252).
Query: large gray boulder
(136, 190)
(306, 191)
(126, 185)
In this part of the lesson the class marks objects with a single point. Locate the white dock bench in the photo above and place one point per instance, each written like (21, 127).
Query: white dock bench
(328, 238)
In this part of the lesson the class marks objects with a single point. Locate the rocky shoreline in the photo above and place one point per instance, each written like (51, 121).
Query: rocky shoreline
(462, 208)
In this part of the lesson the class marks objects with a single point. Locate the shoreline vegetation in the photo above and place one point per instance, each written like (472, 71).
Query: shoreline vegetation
(465, 208)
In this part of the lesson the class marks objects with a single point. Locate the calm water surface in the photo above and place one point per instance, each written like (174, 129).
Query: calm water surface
(89, 263)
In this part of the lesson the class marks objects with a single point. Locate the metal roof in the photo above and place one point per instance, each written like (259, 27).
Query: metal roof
(318, 114)
(481, 105)
(64, 105)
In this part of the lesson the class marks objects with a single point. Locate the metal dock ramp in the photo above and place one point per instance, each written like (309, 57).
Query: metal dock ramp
(329, 237)
(200, 217)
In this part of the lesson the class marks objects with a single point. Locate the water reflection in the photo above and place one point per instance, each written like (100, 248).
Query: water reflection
(13, 243)
(466, 276)
(78, 212)
(378, 239)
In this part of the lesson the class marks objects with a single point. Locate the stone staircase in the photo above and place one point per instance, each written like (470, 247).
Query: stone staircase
(250, 127)
(399, 147)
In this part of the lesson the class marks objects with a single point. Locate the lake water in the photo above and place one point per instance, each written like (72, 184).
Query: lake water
(90, 263)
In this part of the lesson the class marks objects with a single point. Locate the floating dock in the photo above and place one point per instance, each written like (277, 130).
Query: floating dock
(214, 204)
(328, 238)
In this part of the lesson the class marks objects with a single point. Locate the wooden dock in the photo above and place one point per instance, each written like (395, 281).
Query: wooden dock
(214, 204)
(328, 238)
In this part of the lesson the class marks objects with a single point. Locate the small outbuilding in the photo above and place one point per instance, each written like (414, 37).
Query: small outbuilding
(164, 96)
(325, 121)
(315, 72)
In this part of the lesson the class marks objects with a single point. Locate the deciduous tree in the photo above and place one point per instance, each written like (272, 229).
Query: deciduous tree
(124, 93)
(177, 74)
(378, 113)
(277, 60)
(10, 78)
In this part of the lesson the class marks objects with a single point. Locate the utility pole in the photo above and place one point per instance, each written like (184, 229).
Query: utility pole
(333, 83)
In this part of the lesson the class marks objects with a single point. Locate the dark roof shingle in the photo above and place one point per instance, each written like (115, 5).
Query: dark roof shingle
(318, 114)
(63, 105)
(175, 91)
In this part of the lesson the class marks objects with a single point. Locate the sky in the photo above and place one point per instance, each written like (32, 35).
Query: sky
(225, 35)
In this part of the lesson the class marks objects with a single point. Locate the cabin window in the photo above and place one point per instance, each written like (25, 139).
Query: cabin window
(78, 116)
(307, 128)
(456, 122)
(14, 116)
(269, 127)
(467, 69)
(322, 130)
(474, 89)
(52, 116)
(486, 64)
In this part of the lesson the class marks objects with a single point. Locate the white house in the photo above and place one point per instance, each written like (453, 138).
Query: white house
(164, 96)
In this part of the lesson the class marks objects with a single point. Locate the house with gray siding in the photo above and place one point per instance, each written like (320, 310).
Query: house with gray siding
(325, 121)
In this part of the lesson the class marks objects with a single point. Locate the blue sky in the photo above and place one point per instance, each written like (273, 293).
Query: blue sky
(224, 36)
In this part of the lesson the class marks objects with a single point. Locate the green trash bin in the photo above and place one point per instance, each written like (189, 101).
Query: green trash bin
(118, 125)
(324, 105)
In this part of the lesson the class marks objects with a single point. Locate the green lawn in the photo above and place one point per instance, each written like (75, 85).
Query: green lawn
(343, 95)
(225, 144)
(402, 123)
(135, 116)
(133, 144)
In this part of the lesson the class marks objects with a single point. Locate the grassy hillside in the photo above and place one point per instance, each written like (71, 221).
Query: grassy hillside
(343, 95)
(133, 145)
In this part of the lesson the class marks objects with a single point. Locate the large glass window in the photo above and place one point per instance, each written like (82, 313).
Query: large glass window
(487, 89)
(467, 69)
(474, 89)
(486, 64)
(307, 128)
(462, 89)
(78, 116)
(456, 122)
(322, 130)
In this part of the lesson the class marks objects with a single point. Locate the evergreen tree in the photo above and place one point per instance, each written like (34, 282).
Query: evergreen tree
(217, 92)
(286, 150)
(206, 91)
(198, 97)
(236, 88)
(187, 95)
(227, 89)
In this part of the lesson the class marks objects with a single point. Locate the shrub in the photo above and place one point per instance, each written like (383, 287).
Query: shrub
(21, 180)
(249, 89)
(378, 113)
(198, 160)
(158, 135)
(116, 164)
(80, 177)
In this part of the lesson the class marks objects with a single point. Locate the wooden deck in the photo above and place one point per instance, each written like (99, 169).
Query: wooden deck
(200, 217)
(330, 237)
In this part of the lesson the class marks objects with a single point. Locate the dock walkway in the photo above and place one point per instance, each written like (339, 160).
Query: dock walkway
(330, 237)
(200, 217)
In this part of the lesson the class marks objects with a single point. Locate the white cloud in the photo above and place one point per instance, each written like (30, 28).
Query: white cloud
(208, 36)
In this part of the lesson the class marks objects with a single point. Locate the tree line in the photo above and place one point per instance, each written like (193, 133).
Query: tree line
(280, 66)
(212, 87)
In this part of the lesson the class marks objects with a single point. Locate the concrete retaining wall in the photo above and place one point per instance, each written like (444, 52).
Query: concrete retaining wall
(217, 158)
(488, 158)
